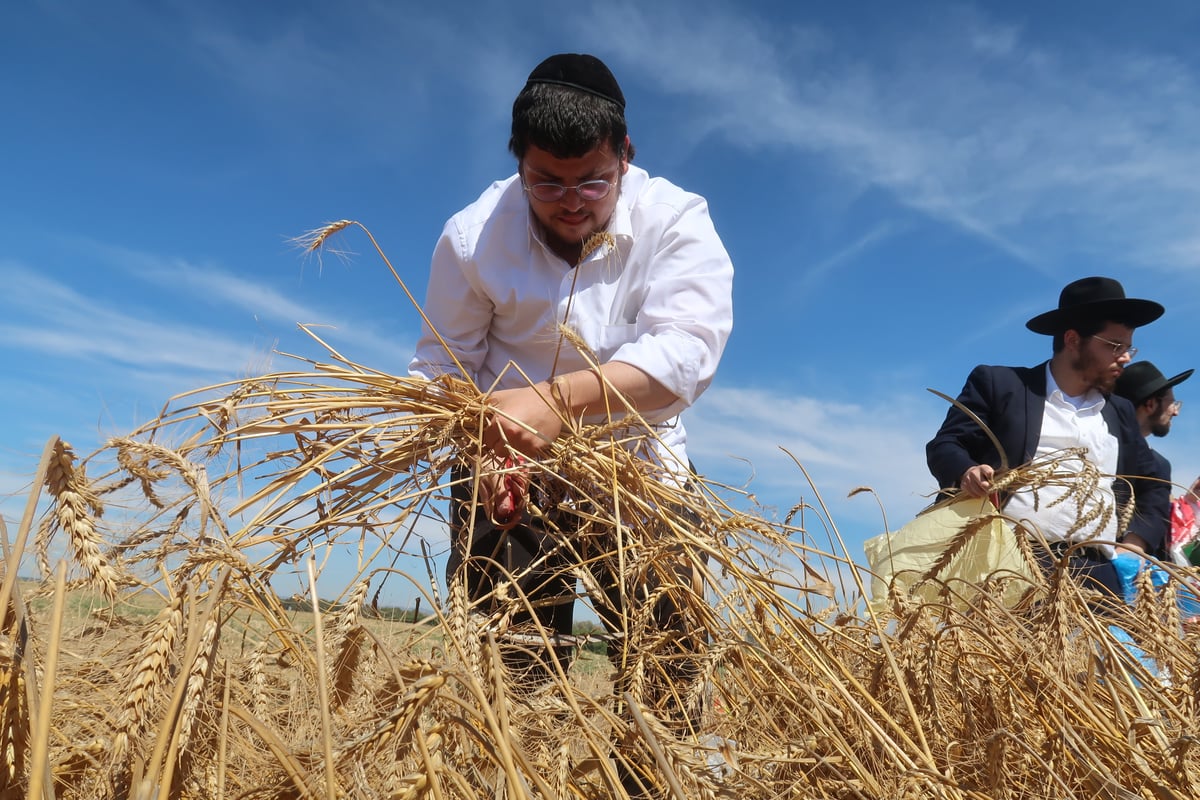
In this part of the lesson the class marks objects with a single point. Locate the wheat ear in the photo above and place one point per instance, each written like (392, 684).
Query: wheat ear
(75, 512)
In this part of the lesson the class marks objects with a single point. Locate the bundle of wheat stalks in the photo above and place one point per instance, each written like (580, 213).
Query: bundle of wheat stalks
(154, 656)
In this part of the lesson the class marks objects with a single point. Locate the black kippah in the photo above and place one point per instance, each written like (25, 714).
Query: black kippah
(579, 71)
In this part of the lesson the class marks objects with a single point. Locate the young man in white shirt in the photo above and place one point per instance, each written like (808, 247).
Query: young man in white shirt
(578, 237)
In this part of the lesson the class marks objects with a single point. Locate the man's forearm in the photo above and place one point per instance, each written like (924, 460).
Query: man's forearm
(585, 393)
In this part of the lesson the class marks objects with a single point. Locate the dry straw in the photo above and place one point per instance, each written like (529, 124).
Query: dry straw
(225, 689)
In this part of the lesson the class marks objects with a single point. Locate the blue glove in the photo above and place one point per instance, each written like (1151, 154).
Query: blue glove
(1128, 567)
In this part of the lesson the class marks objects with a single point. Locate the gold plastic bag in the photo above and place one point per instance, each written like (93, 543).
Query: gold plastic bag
(983, 545)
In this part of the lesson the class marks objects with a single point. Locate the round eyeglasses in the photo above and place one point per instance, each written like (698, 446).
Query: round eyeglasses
(553, 192)
(1119, 348)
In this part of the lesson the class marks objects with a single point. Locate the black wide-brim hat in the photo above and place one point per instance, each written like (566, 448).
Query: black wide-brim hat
(1094, 299)
(1142, 380)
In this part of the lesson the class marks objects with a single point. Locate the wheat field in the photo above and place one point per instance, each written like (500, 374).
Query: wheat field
(152, 656)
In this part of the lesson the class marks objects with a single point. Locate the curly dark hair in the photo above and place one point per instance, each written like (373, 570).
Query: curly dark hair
(565, 122)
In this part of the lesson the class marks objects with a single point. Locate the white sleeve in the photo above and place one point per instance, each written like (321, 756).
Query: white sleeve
(457, 310)
(687, 313)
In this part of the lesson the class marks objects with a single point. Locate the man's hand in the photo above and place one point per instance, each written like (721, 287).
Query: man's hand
(524, 421)
(977, 481)
(1134, 543)
(503, 490)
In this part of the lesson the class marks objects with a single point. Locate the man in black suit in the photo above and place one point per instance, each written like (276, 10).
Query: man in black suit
(1066, 402)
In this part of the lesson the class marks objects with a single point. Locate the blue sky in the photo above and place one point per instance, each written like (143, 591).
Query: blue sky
(901, 186)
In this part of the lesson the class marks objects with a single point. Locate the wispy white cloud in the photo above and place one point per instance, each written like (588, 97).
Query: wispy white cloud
(219, 286)
(380, 65)
(995, 40)
(90, 364)
(361, 336)
(1045, 146)
(741, 435)
(54, 319)
(200, 335)
(813, 275)
(1042, 149)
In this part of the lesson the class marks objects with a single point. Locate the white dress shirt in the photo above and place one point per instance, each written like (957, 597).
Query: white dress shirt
(1072, 422)
(660, 301)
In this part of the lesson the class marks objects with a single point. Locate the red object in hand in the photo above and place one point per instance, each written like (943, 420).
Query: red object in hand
(509, 503)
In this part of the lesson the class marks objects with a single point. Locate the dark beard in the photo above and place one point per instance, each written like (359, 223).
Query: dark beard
(1102, 381)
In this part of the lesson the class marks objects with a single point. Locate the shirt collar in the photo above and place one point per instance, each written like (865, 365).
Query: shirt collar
(1092, 399)
(621, 224)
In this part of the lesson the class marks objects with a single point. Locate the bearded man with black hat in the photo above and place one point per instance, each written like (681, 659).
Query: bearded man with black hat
(1153, 398)
(1066, 402)
(578, 238)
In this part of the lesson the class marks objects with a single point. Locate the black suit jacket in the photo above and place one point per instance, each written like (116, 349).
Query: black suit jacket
(1011, 402)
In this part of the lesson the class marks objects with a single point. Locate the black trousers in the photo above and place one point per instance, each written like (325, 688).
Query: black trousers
(1089, 565)
(527, 576)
